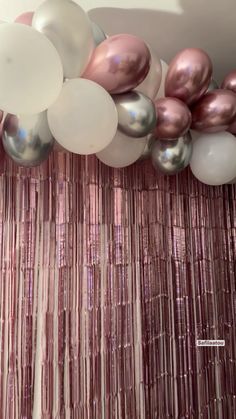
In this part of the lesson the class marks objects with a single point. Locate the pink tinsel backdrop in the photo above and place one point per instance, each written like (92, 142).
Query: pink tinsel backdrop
(108, 277)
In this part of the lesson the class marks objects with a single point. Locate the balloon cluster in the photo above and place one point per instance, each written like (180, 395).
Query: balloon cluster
(63, 81)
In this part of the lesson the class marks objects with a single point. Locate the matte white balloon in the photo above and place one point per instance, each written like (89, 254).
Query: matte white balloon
(152, 82)
(69, 29)
(84, 118)
(161, 91)
(31, 73)
(123, 151)
(214, 158)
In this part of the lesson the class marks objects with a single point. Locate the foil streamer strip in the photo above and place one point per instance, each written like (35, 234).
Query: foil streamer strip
(108, 277)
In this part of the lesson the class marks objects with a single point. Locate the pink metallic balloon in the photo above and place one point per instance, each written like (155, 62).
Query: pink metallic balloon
(119, 64)
(215, 112)
(25, 18)
(189, 75)
(173, 118)
(229, 82)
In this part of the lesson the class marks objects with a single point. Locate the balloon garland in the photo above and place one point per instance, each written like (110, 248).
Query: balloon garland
(64, 81)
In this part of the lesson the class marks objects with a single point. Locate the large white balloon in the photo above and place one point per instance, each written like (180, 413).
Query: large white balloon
(123, 151)
(161, 91)
(152, 82)
(84, 118)
(69, 29)
(214, 158)
(31, 73)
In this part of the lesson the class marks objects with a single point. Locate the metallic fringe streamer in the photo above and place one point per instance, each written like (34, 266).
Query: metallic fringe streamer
(108, 277)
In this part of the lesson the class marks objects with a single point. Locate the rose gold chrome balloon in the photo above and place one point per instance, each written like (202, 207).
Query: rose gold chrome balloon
(215, 112)
(229, 82)
(119, 64)
(189, 75)
(25, 18)
(173, 118)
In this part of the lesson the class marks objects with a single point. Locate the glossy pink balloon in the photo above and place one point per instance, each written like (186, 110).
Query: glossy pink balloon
(215, 112)
(173, 118)
(25, 18)
(119, 64)
(189, 75)
(229, 82)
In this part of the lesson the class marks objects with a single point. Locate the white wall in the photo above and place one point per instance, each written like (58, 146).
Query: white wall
(168, 25)
(10, 8)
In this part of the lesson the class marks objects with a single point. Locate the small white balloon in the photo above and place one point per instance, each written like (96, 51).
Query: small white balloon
(68, 27)
(213, 160)
(84, 118)
(123, 151)
(152, 82)
(161, 91)
(31, 73)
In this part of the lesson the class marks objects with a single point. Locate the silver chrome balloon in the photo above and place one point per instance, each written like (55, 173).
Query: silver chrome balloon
(68, 27)
(98, 35)
(147, 151)
(27, 139)
(136, 114)
(212, 86)
(172, 156)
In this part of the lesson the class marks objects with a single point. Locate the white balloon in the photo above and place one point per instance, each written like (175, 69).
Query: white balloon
(123, 151)
(31, 73)
(161, 91)
(214, 158)
(152, 82)
(69, 29)
(84, 118)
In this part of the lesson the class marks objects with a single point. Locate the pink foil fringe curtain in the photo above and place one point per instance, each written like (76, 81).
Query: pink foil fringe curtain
(108, 277)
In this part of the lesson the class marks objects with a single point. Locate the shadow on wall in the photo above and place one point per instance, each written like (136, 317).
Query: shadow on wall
(210, 25)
